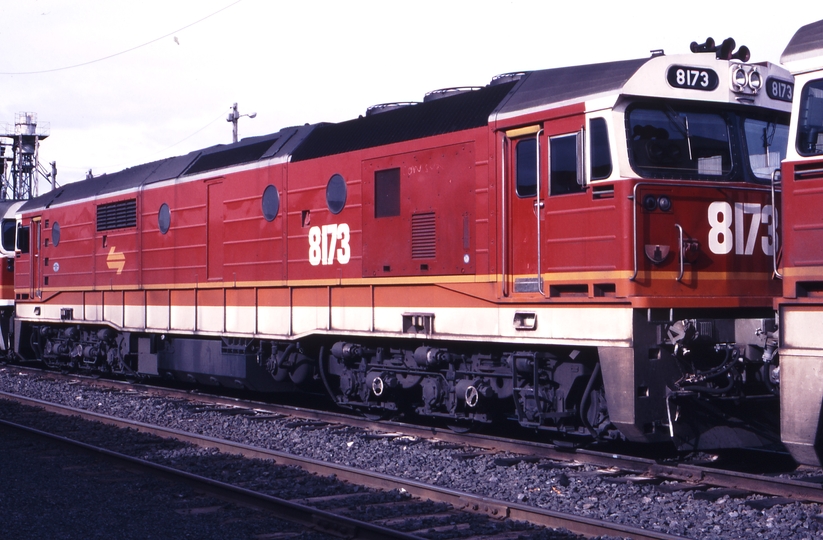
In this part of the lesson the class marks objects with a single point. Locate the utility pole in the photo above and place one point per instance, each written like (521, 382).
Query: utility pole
(233, 117)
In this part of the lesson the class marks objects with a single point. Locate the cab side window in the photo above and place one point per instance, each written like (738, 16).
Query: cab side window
(23, 239)
(526, 162)
(810, 123)
(601, 156)
(565, 162)
(7, 238)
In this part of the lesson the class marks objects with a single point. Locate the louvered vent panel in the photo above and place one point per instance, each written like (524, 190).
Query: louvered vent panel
(424, 236)
(119, 215)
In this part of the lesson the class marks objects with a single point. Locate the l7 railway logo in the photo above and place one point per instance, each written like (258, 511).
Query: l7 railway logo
(328, 243)
(733, 229)
(115, 260)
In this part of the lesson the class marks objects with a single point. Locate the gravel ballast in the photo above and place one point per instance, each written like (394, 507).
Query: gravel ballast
(54, 491)
(583, 490)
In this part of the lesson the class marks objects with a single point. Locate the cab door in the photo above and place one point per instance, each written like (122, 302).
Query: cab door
(526, 194)
(545, 168)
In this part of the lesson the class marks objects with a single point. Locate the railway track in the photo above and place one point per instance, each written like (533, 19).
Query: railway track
(699, 481)
(307, 517)
(459, 501)
(691, 475)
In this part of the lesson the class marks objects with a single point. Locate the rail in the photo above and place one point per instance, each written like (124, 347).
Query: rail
(458, 499)
(781, 487)
(313, 518)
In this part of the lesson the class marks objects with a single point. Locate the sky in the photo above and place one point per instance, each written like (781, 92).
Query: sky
(118, 83)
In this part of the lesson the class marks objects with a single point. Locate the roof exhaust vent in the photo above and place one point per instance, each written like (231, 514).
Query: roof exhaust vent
(448, 92)
(386, 107)
(508, 77)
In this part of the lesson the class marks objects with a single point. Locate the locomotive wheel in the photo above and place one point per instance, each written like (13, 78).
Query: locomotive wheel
(460, 428)
(595, 414)
(322, 369)
(280, 375)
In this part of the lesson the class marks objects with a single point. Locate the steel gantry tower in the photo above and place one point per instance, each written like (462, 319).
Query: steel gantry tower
(19, 168)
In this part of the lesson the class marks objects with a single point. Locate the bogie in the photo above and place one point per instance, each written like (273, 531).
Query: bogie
(461, 385)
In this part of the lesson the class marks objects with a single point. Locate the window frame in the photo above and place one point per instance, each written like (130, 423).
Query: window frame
(817, 84)
(558, 187)
(22, 242)
(599, 126)
(4, 226)
(530, 167)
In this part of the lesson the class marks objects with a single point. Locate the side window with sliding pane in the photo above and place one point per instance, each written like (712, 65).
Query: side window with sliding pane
(564, 162)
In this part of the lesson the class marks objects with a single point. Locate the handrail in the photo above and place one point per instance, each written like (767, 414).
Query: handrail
(776, 177)
(538, 204)
(504, 215)
(682, 253)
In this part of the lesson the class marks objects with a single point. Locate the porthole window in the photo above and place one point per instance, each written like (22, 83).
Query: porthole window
(270, 203)
(164, 218)
(336, 194)
(55, 234)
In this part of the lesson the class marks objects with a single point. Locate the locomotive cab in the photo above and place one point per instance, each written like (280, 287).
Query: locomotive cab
(800, 307)
(652, 207)
(7, 253)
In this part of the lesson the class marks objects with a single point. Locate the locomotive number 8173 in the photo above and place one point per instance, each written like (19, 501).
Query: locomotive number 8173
(587, 251)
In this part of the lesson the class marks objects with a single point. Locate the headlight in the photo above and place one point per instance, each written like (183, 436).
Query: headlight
(755, 80)
(739, 77)
(746, 79)
(649, 203)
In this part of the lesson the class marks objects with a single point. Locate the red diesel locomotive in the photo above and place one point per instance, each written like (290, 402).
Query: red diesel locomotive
(584, 250)
(801, 235)
(8, 226)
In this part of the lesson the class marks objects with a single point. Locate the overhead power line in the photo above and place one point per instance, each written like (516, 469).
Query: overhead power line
(121, 52)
